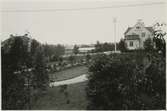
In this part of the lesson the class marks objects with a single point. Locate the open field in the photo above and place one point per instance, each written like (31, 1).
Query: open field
(69, 73)
(71, 97)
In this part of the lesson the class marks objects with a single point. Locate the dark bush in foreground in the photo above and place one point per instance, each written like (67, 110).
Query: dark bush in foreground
(127, 82)
(23, 72)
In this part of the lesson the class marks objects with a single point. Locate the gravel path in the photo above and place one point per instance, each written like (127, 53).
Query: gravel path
(78, 79)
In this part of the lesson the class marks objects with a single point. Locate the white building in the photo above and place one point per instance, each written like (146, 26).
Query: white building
(136, 35)
(85, 49)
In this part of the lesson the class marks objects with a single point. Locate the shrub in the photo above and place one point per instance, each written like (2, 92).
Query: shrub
(121, 82)
(148, 45)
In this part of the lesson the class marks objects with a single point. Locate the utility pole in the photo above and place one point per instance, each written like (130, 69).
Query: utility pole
(114, 21)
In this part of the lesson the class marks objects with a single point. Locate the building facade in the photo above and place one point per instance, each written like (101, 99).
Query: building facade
(136, 35)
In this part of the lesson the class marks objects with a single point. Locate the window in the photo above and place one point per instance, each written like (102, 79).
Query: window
(143, 34)
(131, 44)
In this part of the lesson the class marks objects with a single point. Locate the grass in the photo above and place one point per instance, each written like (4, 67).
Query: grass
(69, 73)
(72, 97)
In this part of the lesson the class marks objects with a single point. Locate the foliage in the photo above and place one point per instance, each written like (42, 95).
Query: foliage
(71, 59)
(40, 77)
(159, 35)
(53, 52)
(102, 47)
(120, 82)
(22, 63)
(148, 45)
(88, 57)
(76, 49)
(122, 46)
(13, 91)
(156, 77)
(98, 47)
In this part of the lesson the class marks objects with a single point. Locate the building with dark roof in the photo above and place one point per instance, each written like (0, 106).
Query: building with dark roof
(136, 35)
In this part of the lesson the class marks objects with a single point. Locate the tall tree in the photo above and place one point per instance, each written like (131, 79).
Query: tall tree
(39, 73)
(13, 63)
(159, 35)
(22, 63)
(40, 76)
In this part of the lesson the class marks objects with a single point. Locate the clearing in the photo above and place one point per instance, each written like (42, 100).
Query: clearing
(67, 97)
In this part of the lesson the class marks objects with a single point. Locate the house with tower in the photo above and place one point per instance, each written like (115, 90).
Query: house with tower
(136, 35)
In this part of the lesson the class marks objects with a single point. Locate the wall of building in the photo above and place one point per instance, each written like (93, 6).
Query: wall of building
(143, 33)
(135, 44)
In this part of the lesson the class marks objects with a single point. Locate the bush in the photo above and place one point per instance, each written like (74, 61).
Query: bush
(148, 44)
(122, 46)
(120, 82)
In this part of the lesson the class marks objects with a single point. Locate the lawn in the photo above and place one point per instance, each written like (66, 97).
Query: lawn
(72, 97)
(69, 73)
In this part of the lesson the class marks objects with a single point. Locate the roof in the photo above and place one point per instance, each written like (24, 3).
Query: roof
(148, 28)
(128, 30)
(132, 37)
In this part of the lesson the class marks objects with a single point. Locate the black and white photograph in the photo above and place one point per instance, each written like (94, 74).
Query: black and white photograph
(83, 54)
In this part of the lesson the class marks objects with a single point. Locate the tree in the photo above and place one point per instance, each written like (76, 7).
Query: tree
(23, 66)
(158, 39)
(40, 77)
(107, 47)
(71, 59)
(60, 50)
(102, 47)
(122, 46)
(98, 47)
(76, 49)
(39, 74)
(148, 45)
(120, 82)
(88, 57)
(13, 63)
(33, 49)
(53, 52)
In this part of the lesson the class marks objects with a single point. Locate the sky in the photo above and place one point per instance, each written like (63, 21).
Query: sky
(77, 22)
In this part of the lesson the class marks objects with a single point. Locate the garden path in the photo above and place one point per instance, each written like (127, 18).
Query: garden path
(74, 80)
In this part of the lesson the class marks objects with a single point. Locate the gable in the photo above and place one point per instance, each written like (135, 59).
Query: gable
(129, 28)
(150, 29)
(134, 31)
(138, 28)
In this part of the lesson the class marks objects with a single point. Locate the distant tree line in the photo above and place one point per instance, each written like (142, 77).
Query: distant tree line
(53, 52)
(102, 47)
